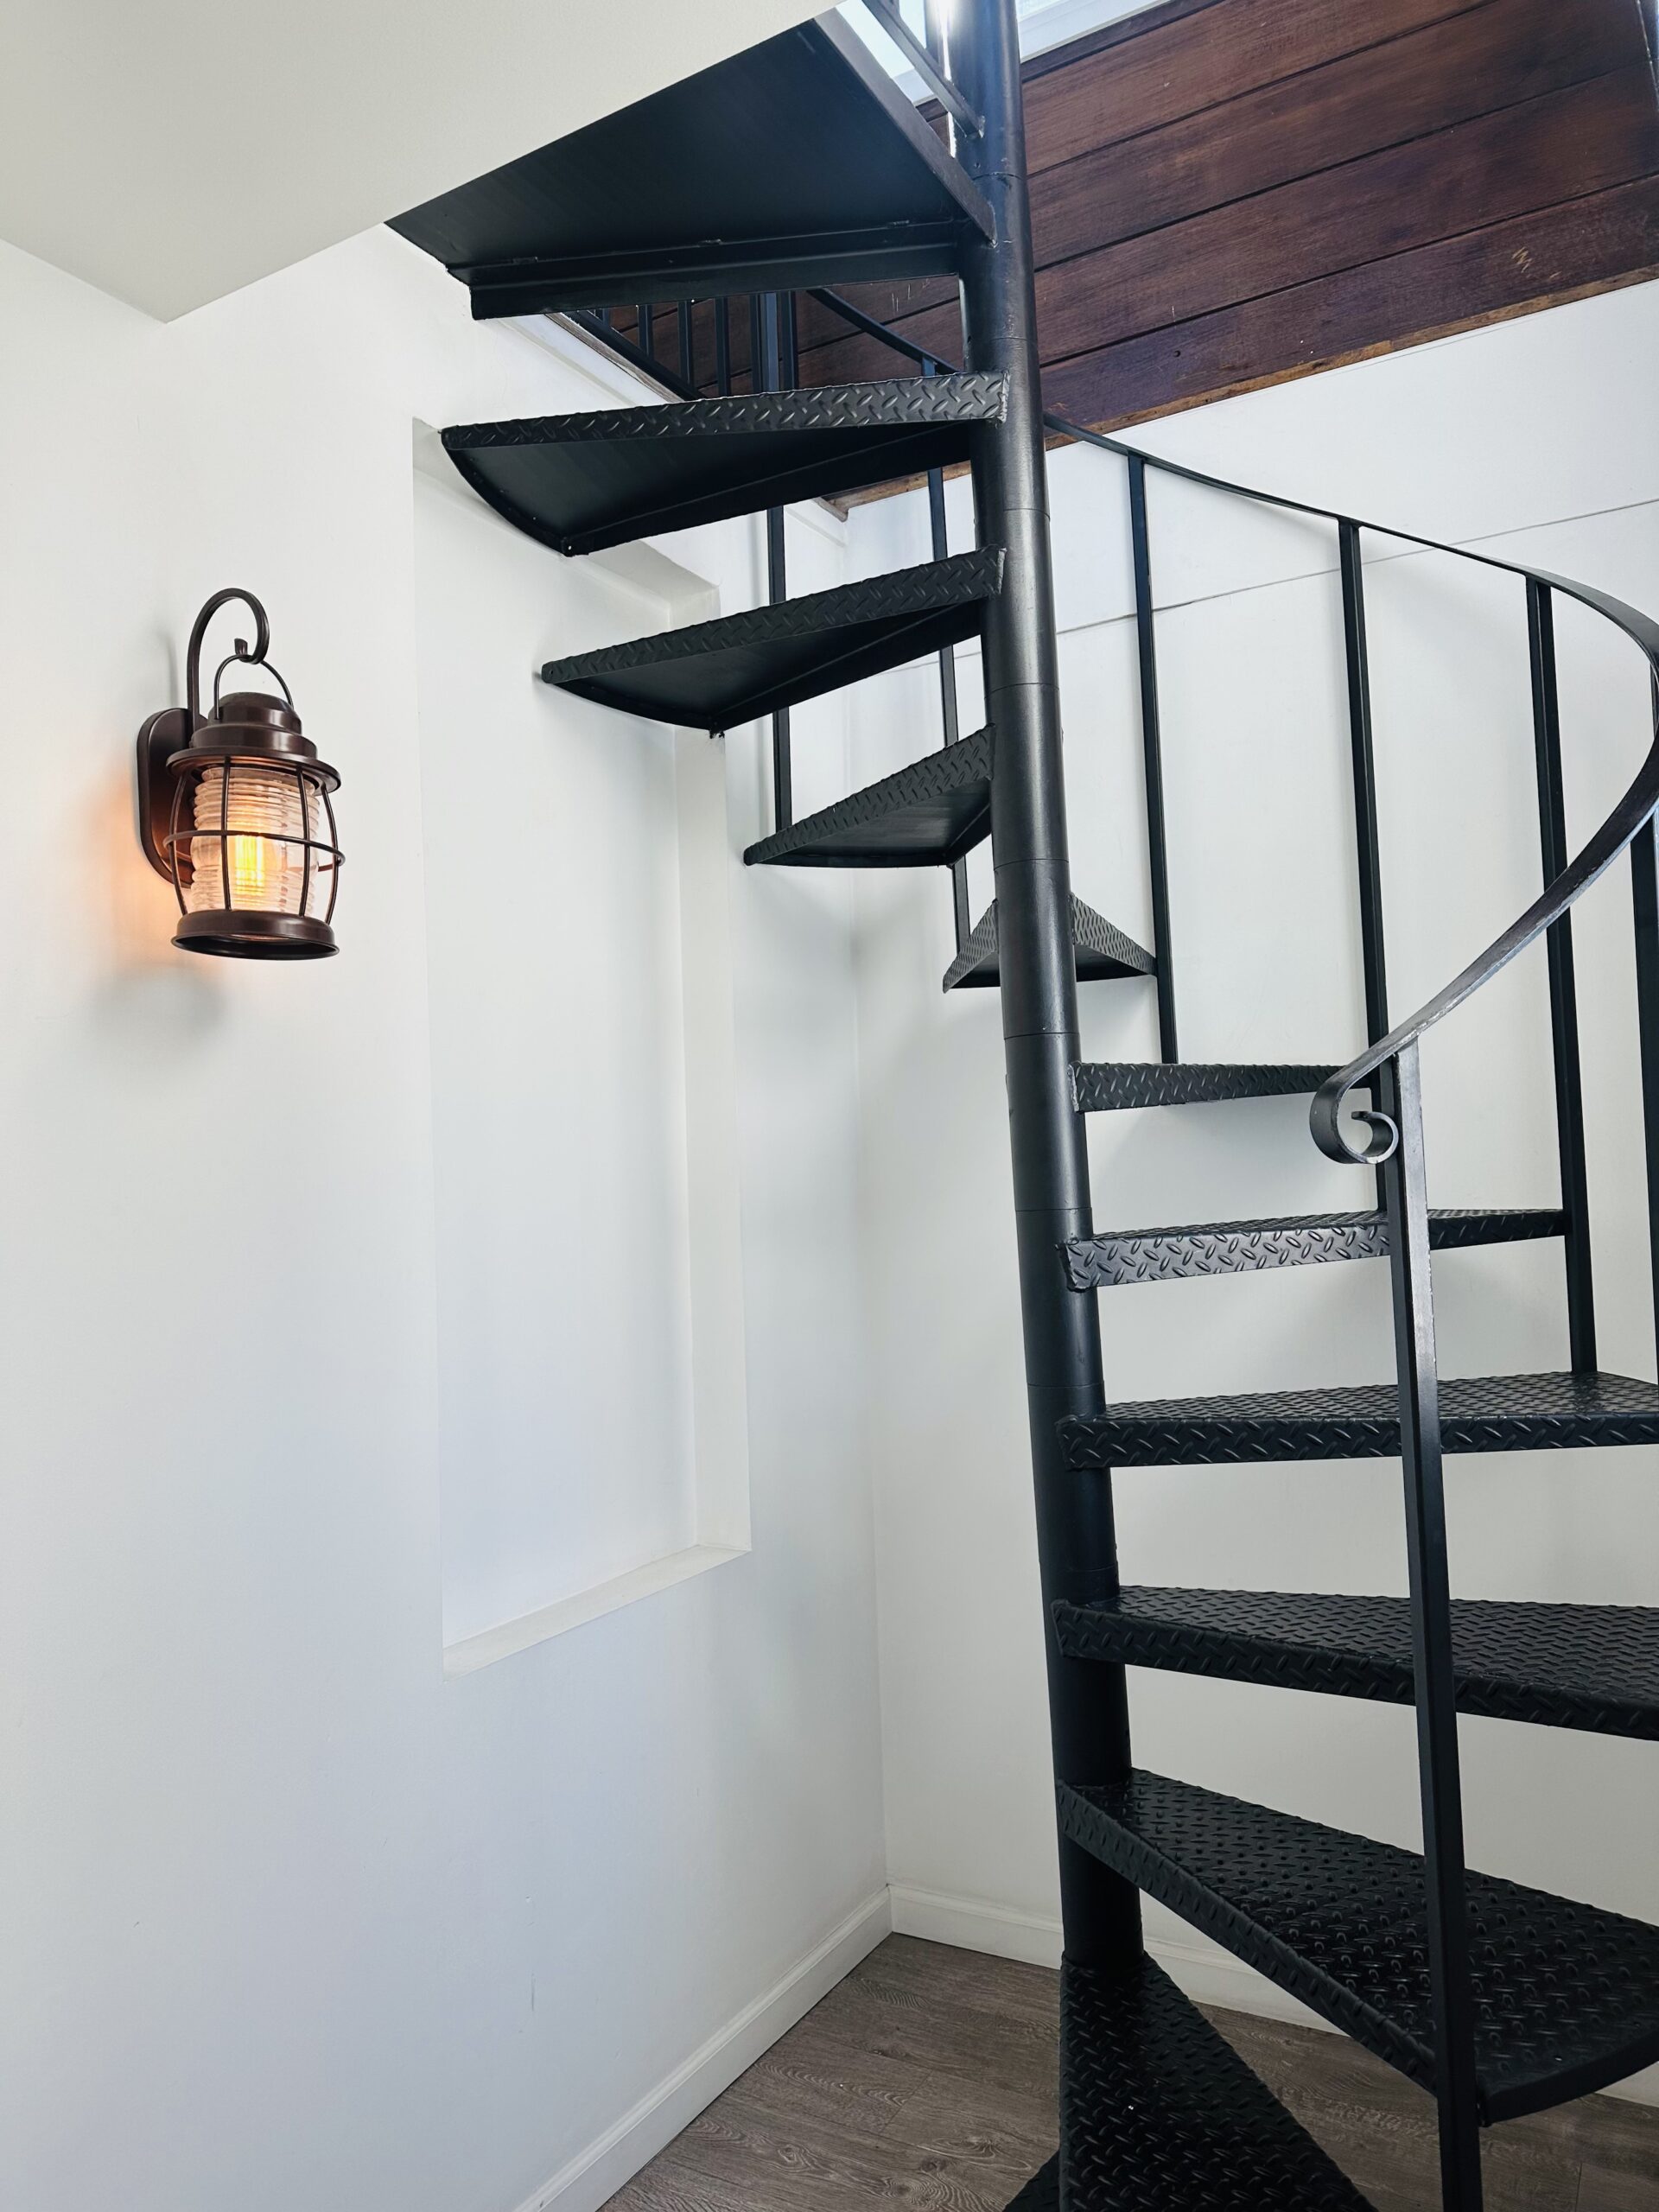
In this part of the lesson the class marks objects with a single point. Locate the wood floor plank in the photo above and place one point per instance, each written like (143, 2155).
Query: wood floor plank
(927, 2080)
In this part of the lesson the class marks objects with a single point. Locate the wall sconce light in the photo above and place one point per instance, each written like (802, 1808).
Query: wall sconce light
(235, 810)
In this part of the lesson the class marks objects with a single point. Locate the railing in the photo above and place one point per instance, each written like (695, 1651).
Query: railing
(1389, 1073)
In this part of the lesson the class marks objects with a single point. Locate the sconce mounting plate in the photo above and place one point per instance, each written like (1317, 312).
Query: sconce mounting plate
(162, 736)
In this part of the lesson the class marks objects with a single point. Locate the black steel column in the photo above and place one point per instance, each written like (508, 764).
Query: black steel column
(1087, 1707)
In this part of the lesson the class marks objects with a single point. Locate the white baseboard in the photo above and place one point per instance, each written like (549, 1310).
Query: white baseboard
(595, 2175)
(1207, 1973)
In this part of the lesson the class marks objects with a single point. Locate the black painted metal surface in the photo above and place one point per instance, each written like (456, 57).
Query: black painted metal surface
(1157, 2114)
(716, 675)
(1566, 1997)
(1076, 1544)
(1113, 1086)
(797, 162)
(1220, 1248)
(580, 482)
(1494, 1413)
(1594, 1668)
(1103, 953)
(927, 815)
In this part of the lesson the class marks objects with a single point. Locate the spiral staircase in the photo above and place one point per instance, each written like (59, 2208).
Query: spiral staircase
(795, 166)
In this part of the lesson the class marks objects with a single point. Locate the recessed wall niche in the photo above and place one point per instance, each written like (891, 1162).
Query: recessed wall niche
(592, 1426)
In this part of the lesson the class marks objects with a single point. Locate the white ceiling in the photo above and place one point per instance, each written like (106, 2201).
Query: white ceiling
(172, 150)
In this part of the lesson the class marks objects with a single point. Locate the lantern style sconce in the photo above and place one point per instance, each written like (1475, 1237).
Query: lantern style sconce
(236, 810)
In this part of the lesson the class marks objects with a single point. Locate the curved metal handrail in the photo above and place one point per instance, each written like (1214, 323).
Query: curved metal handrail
(1636, 807)
(1639, 803)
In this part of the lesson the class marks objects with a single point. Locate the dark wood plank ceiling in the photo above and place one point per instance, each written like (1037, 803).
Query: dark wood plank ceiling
(1228, 193)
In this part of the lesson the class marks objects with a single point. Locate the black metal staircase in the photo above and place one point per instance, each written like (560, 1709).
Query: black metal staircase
(782, 169)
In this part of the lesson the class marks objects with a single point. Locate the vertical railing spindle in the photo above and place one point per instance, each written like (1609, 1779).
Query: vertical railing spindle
(1563, 987)
(1644, 892)
(1367, 846)
(1151, 745)
(766, 338)
(1365, 832)
(723, 345)
(688, 354)
(1405, 1193)
(646, 336)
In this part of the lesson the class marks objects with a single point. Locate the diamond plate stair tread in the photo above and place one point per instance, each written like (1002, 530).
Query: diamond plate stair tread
(745, 162)
(1160, 2115)
(925, 816)
(1589, 1667)
(1112, 1086)
(1566, 1997)
(1104, 953)
(1117, 1256)
(716, 675)
(580, 482)
(1488, 1413)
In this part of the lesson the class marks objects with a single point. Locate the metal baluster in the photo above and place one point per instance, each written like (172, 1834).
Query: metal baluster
(688, 354)
(1406, 1201)
(949, 710)
(1563, 988)
(1644, 889)
(936, 32)
(1359, 730)
(646, 336)
(765, 335)
(1368, 849)
(1158, 849)
(723, 345)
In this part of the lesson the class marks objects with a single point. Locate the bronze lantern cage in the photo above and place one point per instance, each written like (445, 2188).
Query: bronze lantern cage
(236, 811)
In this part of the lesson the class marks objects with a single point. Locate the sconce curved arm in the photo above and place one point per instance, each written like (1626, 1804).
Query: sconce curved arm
(255, 653)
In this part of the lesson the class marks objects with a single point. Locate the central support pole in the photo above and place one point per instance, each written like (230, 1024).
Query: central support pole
(1088, 1705)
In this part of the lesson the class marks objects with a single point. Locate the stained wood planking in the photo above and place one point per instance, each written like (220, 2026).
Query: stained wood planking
(1201, 160)
(1588, 245)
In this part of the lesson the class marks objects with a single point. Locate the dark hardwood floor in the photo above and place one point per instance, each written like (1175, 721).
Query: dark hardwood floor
(928, 2077)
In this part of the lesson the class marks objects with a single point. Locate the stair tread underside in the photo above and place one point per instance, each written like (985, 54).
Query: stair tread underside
(1114, 1257)
(1159, 2114)
(580, 482)
(1112, 1086)
(716, 675)
(1487, 1413)
(1588, 1667)
(1566, 1997)
(1104, 953)
(796, 163)
(926, 815)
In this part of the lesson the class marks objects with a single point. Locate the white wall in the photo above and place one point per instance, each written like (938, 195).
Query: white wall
(287, 1918)
(1536, 440)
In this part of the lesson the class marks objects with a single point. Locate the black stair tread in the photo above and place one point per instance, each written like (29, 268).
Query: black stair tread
(1590, 1667)
(923, 816)
(1566, 1997)
(1219, 1247)
(716, 675)
(1111, 1086)
(1484, 1413)
(797, 162)
(1104, 953)
(579, 482)
(1160, 2114)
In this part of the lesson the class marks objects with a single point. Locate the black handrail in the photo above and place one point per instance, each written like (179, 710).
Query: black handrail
(1621, 827)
